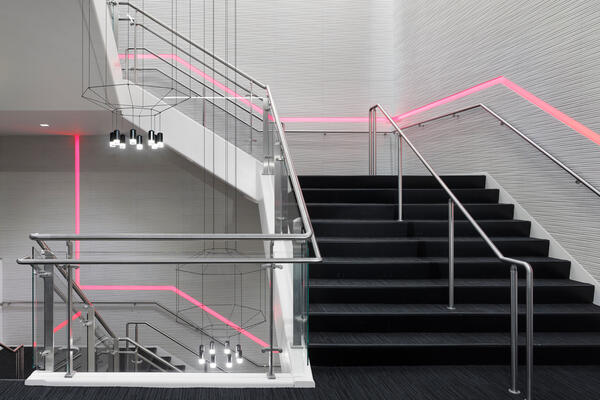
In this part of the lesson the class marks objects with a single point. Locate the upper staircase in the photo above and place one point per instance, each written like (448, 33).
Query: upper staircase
(380, 295)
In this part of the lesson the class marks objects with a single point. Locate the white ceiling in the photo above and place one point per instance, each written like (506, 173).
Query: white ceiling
(40, 70)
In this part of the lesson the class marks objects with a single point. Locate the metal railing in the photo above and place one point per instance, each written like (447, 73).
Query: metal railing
(453, 201)
(277, 161)
(136, 325)
(19, 353)
(504, 122)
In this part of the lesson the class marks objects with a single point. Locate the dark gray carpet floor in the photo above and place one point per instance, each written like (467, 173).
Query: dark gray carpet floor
(406, 382)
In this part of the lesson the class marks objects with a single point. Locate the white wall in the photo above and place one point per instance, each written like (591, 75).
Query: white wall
(320, 58)
(547, 47)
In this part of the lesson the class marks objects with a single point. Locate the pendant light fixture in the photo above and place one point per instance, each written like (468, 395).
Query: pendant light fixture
(201, 357)
(213, 361)
(122, 142)
(159, 140)
(238, 354)
(227, 349)
(211, 348)
(112, 139)
(151, 138)
(229, 362)
(140, 142)
(132, 137)
(117, 138)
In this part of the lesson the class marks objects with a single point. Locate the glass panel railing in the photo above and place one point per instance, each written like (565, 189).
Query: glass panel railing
(311, 147)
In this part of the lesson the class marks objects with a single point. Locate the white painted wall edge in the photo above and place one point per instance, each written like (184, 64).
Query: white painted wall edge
(578, 272)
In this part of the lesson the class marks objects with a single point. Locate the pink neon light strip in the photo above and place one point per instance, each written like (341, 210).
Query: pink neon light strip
(77, 204)
(548, 109)
(453, 97)
(64, 323)
(501, 80)
(184, 295)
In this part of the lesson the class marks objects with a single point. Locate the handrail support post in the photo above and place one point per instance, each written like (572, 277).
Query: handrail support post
(514, 329)
(451, 255)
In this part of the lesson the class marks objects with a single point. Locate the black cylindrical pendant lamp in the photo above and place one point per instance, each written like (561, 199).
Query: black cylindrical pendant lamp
(139, 142)
(159, 140)
(122, 142)
(132, 137)
(151, 138)
(112, 139)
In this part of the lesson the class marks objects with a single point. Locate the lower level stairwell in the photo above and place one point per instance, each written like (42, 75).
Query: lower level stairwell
(380, 295)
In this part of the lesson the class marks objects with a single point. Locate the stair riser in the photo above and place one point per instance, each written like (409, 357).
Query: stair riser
(410, 211)
(421, 229)
(450, 323)
(439, 295)
(364, 181)
(409, 196)
(450, 355)
(431, 271)
(426, 248)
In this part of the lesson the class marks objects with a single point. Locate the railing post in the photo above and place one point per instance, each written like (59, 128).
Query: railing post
(69, 373)
(529, 330)
(135, 70)
(270, 272)
(514, 329)
(268, 167)
(115, 353)
(450, 254)
(90, 325)
(373, 141)
(399, 176)
(137, 340)
(48, 351)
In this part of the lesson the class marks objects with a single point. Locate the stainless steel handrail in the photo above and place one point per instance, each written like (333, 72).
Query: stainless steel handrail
(518, 132)
(189, 41)
(170, 261)
(166, 236)
(149, 325)
(145, 350)
(500, 256)
(293, 176)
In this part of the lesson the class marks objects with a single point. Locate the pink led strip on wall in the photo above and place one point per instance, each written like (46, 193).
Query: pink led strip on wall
(501, 80)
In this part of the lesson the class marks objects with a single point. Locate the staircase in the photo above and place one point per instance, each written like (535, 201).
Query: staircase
(380, 295)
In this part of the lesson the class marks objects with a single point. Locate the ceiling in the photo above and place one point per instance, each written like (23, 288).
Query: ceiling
(41, 70)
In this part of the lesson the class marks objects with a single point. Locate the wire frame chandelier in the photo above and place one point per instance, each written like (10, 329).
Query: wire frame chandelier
(135, 102)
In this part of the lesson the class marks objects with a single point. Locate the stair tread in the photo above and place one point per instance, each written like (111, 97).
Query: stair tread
(449, 339)
(441, 309)
(420, 221)
(425, 260)
(410, 204)
(334, 239)
(403, 283)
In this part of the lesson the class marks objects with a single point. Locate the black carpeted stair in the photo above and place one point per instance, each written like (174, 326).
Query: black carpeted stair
(380, 295)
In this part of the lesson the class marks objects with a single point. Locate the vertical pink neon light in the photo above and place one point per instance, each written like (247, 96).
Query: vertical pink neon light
(77, 203)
